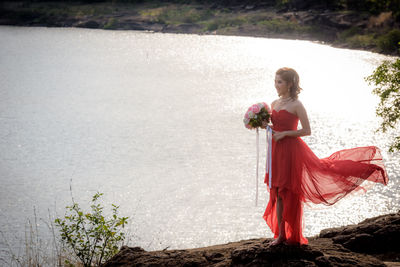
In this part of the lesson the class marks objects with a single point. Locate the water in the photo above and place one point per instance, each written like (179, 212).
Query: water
(154, 121)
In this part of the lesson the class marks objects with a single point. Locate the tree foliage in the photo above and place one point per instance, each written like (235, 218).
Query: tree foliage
(386, 79)
(91, 237)
(389, 41)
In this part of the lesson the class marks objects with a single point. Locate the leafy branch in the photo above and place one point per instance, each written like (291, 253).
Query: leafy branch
(386, 79)
(91, 237)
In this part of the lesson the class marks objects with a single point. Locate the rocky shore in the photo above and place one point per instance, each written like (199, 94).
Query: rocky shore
(340, 28)
(373, 242)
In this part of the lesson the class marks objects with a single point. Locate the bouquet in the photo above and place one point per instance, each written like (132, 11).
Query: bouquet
(256, 114)
(253, 119)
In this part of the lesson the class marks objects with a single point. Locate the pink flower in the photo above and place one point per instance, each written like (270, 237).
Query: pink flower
(246, 115)
(255, 108)
(266, 107)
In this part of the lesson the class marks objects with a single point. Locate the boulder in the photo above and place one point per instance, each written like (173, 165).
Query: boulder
(374, 235)
(373, 242)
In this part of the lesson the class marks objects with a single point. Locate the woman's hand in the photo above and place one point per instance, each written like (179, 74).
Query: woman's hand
(278, 135)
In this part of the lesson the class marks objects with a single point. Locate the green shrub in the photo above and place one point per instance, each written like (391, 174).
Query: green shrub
(111, 24)
(91, 237)
(183, 14)
(386, 79)
(231, 22)
(282, 26)
(349, 33)
(361, 41)
(211, 26)
(388, 43)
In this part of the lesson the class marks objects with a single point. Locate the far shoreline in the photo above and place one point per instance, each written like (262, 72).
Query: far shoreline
(339, 29)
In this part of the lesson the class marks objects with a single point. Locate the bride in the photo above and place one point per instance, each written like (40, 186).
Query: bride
(298, 175)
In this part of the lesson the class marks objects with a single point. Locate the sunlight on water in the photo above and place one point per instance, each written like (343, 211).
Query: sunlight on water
(155, 122)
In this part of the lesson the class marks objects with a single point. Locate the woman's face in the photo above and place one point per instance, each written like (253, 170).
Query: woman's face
(282, 87)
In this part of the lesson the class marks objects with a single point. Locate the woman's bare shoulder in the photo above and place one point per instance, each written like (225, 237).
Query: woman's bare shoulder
(298, 104)
(299, 107)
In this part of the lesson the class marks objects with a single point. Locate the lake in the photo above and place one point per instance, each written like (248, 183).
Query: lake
(154, 121)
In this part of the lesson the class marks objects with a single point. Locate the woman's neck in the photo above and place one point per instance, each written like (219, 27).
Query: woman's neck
(285, 97)
(286, 94)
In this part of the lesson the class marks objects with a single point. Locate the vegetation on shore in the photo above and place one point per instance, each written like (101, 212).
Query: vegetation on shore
(367, 24)
(91, 237)
(386, 79)
(78, 239)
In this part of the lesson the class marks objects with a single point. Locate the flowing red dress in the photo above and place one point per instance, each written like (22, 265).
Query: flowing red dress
(300, 176)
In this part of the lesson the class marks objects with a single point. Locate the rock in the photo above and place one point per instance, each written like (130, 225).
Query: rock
(214, 256)
(379, 236)
(374, 235)
(346, 261)
(249, 7)
(68, 22)
(359, 242)
(89, 24)
(182, 28)
(266, 254)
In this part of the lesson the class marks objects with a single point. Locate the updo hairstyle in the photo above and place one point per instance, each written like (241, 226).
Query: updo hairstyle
(291, 77)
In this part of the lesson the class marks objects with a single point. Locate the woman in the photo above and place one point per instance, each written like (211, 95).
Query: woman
(298, 175)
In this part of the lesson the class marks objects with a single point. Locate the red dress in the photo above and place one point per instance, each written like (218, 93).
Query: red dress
(301, 176)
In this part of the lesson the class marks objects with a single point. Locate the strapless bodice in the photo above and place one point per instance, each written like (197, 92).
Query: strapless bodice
(283, 120)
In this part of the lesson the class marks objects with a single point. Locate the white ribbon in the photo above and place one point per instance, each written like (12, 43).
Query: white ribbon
(268, 163)
(258, 156)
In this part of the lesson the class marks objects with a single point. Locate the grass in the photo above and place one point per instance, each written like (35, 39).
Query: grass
(221, 20)
(361, 41)
(389, 41)
(386, 40)
(355, 37)
(277, 25)
(34, 251)
(111, 24)
(177, 14)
